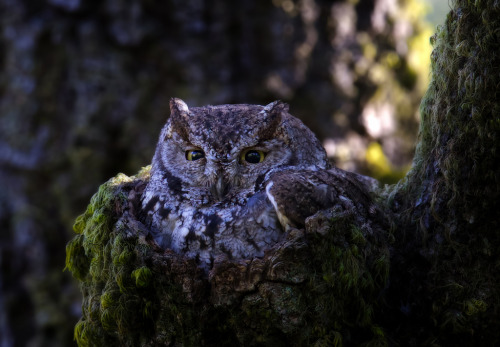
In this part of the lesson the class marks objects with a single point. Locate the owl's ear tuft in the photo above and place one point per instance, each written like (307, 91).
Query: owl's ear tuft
(178, 106)
(179, 117)
(271, 118)
(276, 107)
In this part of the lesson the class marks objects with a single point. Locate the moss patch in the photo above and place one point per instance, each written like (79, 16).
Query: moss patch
(114, 280)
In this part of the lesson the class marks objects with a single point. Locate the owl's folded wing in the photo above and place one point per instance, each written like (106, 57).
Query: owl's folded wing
(298, 194)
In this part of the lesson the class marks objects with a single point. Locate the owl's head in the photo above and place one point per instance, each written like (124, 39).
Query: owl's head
(228, 149)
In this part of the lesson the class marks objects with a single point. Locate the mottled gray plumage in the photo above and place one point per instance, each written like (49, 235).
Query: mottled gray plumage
(216, 203)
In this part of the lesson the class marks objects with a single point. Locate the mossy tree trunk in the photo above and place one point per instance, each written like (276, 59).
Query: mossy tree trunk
(432, 277)
(445, 267)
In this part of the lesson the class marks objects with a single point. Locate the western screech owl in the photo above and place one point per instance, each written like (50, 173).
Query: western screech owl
(230, 180)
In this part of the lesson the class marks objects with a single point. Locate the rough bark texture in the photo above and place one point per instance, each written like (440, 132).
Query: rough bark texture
(324, 284)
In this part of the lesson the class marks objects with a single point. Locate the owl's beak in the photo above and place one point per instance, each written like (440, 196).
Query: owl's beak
(220, 188)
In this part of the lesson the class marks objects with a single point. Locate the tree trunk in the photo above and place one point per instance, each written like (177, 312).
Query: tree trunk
(445, 277)
(432, 277)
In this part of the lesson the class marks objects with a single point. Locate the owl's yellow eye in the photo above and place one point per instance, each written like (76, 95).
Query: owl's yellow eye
(253, 156)
(194, 154)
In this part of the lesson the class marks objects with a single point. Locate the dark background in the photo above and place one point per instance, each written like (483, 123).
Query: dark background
(84, 92)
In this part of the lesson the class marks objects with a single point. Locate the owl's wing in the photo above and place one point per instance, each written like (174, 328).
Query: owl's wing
(298, 194)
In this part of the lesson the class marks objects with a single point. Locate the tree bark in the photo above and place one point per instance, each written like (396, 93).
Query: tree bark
(432, 277)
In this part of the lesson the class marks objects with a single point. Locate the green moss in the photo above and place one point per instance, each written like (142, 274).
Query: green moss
(104, 260)
(474, 306)
(76, 260)
(353, 275)
(142, 276)
(89, 334)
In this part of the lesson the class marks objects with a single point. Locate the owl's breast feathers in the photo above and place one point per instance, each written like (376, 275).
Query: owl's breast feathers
(246, 224)
(243, 225)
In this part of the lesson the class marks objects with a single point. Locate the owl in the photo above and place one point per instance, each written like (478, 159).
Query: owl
(230, 180)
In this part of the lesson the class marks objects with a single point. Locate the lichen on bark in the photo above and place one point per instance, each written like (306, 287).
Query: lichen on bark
(318, 286)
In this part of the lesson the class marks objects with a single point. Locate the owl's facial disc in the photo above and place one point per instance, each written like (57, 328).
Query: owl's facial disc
(222, 172)
(224, 150)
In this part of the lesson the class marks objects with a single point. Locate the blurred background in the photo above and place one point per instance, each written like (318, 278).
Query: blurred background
(85, 88)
